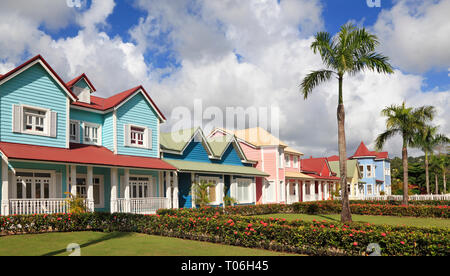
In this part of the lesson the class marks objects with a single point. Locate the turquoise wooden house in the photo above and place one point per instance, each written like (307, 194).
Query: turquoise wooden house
(218, 160)
(58, 138)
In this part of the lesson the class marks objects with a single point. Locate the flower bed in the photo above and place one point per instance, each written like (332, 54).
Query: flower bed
(208, 224)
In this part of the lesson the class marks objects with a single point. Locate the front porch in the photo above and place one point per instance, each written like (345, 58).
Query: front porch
(43, 188)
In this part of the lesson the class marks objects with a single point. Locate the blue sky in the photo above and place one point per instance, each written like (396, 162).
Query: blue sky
(234, 53)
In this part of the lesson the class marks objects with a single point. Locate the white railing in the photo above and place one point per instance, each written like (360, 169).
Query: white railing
(148, 205)
(411, 197)
(38, 206)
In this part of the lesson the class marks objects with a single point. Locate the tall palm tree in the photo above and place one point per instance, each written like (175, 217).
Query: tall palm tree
(407, 122)
(427, 140)
(351, 51)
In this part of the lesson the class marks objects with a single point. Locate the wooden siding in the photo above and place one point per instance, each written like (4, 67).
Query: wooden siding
(33, 87)
(137, 111)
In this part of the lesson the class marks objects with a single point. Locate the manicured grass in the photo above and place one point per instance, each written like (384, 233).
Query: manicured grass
(117, 243)
(390, 220)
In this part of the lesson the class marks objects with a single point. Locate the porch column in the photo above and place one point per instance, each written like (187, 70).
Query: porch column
(192, 192)
(114, 178)
(312, 191)
(175, 191)
(297, 195)
(90, 188)
(73, 180)
(320, 190)
(127, 190)
(303, 183)
(168, 190)
(5, 189)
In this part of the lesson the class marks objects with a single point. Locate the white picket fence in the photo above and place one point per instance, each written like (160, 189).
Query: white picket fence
(38, 206)
(411, 197)
(147, 205)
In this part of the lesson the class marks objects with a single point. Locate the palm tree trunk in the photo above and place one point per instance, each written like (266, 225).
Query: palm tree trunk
(346, 215)
(405, 173)
(437, 183)
(427, 177)
(445, 182)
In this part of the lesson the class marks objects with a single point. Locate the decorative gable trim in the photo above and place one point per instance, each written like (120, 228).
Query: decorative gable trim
(28, 64)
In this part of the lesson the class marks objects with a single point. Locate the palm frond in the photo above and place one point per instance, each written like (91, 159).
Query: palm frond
(313, 79)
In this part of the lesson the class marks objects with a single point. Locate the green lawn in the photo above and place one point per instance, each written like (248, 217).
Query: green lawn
(116, 243)
(408, 221)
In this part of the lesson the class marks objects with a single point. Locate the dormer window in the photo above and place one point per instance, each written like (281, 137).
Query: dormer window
(137, 136)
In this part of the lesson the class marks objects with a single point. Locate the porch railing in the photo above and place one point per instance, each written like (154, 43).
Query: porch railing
(148, 205)
(38, 206)
(411, 197)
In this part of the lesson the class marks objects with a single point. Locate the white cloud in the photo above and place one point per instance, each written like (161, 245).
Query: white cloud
(414, 34)
(274, 41)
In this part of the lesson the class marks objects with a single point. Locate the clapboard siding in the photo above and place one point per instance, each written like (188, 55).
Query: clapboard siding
(137, 111)
(33, 87)
(108, 134)
(230, 157)
(195, 151)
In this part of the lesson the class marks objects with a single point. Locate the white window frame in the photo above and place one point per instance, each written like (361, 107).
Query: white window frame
(248, 183)
(280, 159)
(270, 190)
(218, 188)
(46, 126)
(370, 192)
(145, 137)
(295, 161)
(287, 160)
(101, 204)
(77, 134)
(99, 133)
(52, 184)
(362, 170)
(370, 173)
(152, 191)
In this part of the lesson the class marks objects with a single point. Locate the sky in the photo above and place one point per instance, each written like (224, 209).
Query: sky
(249, 54)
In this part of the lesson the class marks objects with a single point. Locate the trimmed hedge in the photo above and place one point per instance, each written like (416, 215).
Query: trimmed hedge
(208, 224)
(334, 207)
(399, 202)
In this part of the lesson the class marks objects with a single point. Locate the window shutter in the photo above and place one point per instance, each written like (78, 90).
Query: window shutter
(149, 138)
(126, 135)
(53, 124)
(17, 118)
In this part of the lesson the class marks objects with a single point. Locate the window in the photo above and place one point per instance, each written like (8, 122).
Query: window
(243, 190)
(270, 191)
(82, 188)
(361, 169)
(92, 134)
(137, 136)
(369, 189)
(287, 160)
(140, 187)
(213, 192)
(34, 120)
(280, 159)
(295, 162)
(75, 131)
(369, 171)
(308, 188)
(387, 171)
(33, 185)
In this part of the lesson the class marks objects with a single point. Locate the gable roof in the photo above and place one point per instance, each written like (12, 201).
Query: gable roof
(178, 141)
(220, 144)
(71, 83)
(352, 165)
(313, 164)
(257, 136)
(115, 101)
(291, 150)
(38, 59)
(363, 151)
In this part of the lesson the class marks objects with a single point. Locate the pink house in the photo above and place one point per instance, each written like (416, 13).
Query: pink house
(286, 183)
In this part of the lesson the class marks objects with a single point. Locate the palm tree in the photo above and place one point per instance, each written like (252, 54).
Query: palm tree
(407, 122)
(202, 193)
(427, 140)
(351, 51)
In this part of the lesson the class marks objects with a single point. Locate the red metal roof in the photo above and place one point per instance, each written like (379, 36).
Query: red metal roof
(313, 164)
(82, 76)
(48, 67)
(333, 158)
(103, 104)
(81, 154)
(363, 151)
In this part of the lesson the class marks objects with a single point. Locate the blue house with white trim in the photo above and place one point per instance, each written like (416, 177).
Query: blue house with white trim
(375, 168)
(58, 138)
(218, 160)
